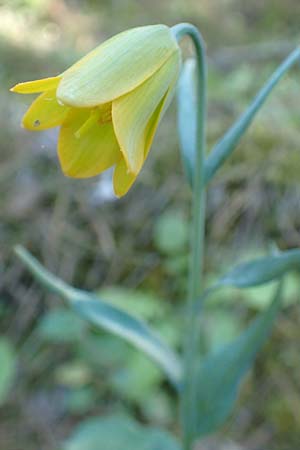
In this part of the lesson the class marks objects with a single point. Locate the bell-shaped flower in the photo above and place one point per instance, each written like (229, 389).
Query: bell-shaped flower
(108, 104)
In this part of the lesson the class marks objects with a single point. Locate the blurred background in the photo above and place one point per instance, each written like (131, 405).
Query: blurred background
(55, 371)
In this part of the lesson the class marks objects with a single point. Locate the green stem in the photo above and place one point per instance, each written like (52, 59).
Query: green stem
(188, 404)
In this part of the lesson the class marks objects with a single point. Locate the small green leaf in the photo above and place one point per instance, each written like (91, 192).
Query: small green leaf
(232, 137)
(187, 116)
(261, 270)
(102, 315)
(119, 433)
(221, 372)
(8, 362)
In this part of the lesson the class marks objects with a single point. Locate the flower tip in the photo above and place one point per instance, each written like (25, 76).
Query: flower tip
(67, 172)
(70, 171)
(31, 125)
(19, 88)
(118, 195)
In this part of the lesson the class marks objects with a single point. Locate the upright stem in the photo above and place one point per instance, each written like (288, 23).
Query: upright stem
(188, 404)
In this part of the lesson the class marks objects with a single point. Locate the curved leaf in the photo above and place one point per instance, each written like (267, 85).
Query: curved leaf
(105, 316)
(223, 149)
(221, 373)
(261, 270)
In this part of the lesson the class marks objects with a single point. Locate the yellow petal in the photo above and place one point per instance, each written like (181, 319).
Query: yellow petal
(131, 113)
(91, 152)
(123, 179)
(117, 66)
(45, 112)
(157, 116)
(36, 86)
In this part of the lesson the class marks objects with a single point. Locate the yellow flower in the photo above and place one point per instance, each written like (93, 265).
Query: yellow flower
(108, 104)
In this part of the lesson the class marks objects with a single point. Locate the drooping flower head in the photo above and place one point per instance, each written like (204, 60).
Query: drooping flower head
(108, 104)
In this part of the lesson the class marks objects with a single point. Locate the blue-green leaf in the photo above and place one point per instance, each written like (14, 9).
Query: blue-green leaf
(108, 317)
(232, 137)
(119, 433)
(221, 373)
(187, 116)
(261, 270)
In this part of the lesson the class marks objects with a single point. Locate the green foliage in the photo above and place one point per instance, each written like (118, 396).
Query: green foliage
(227, 144)
(230, 140)
(130, 375)
(8, 362)
(221, 372)
(261, 270)
(102, 315)
(119, 433)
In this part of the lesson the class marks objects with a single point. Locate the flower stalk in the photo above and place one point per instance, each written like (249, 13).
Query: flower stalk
(188, 404)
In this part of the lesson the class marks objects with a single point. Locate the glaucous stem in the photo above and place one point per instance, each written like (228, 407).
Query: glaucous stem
(188, 401)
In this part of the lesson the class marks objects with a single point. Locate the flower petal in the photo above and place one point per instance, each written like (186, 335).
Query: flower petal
(157, 116)
(36, 86)
(89, 153)
(117, 66)
(123, 179)
(132, 112)
(45, 112)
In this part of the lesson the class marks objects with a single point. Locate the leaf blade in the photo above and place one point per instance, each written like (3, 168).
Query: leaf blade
(225, 146)
(115, 320)
(221, 373)
(261, 270)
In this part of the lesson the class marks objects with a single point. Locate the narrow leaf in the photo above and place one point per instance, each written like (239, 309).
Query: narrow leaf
(221, 373)
(187, 116)
(261, 270)
(232, 137)
(110, 318)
